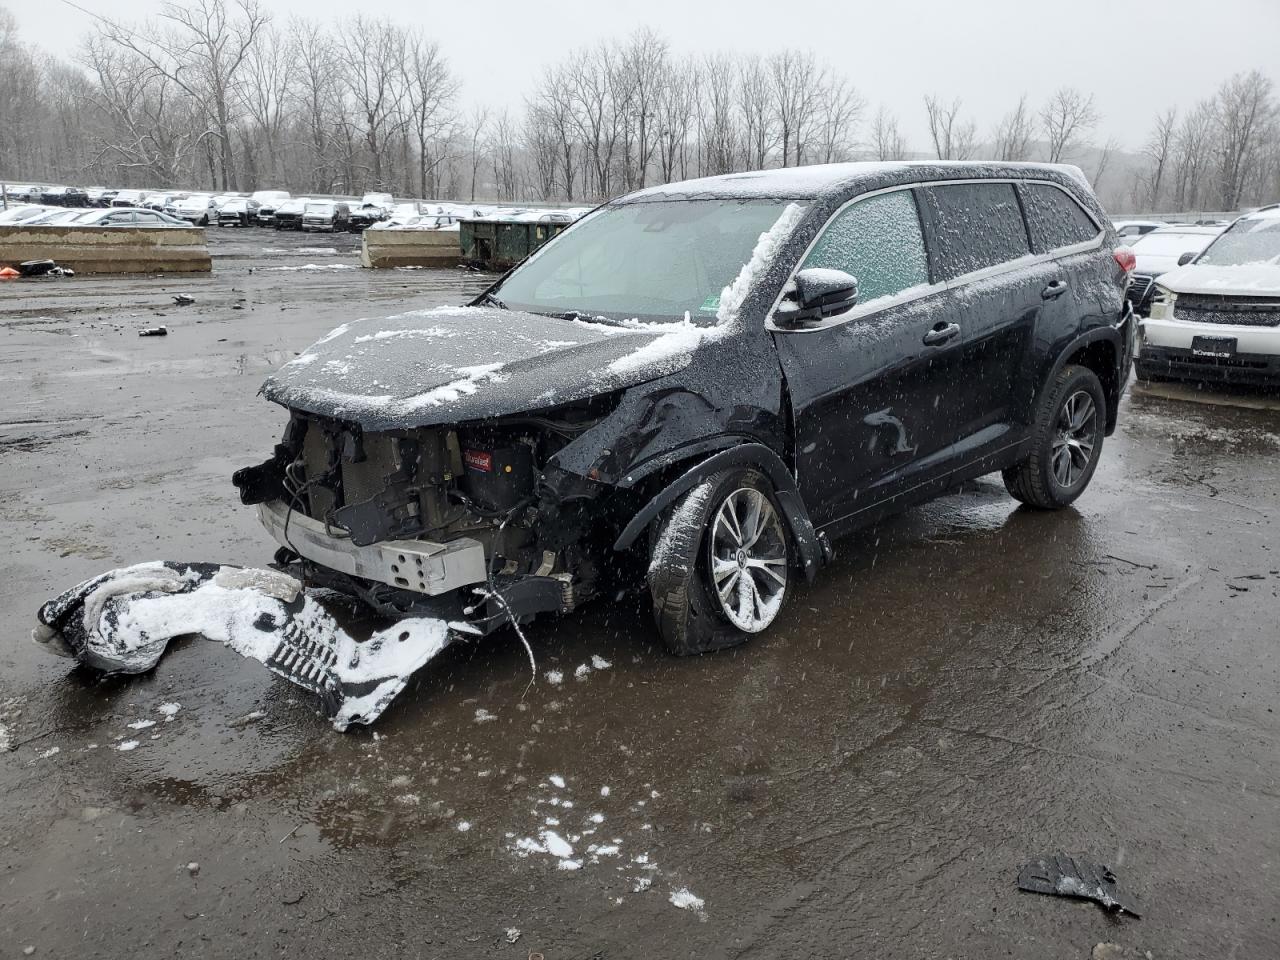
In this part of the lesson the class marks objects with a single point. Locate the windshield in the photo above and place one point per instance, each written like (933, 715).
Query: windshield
(651, 261)
(1248, 241)
(321, 208)
(1170, 244)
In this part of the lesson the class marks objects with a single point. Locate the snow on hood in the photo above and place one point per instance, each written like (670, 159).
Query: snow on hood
(454, 364)
(1245, 280)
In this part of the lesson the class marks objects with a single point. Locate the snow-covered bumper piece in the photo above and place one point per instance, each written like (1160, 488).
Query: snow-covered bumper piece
(122, 621)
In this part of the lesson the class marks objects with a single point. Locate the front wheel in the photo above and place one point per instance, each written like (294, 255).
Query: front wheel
(719, 566)
(1066, 442)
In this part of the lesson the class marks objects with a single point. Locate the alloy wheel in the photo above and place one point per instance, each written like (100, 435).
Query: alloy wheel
(1075, 438)
(748, 559)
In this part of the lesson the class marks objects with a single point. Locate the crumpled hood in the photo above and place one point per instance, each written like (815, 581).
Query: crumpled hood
(1244, 280)
(454, 364)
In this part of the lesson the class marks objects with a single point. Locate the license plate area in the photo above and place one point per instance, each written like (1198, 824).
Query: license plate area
(1221, 347)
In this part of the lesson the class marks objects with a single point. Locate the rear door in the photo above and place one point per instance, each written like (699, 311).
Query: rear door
(980, 248)
(866, 386)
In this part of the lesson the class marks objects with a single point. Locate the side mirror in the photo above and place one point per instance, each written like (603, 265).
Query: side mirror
(818, 293)
(1186, 258)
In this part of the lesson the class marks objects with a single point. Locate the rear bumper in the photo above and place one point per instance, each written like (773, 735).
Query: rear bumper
(1250, 369)
(419, 566)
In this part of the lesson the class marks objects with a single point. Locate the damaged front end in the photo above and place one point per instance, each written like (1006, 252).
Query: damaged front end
(470, 523)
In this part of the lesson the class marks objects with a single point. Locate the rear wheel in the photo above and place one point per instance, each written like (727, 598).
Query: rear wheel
(1066, 442)
(720, 562)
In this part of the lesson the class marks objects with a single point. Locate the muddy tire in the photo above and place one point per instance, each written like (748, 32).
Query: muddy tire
(719, 563)
(1066, 442)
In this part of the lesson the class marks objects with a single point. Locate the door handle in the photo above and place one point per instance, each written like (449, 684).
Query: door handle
(941, 333)
(1054, 290)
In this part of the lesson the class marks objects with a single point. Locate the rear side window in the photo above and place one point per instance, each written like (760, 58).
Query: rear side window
(878, 241)
(1056, 220)
(975, 226)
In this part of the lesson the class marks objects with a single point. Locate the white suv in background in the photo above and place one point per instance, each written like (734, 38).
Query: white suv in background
(1217, 317)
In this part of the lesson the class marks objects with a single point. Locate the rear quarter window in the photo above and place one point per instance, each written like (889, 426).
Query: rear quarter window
(1055, 218)
(974, 226)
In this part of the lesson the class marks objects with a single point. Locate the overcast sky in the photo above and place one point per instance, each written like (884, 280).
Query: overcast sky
(1137, 58)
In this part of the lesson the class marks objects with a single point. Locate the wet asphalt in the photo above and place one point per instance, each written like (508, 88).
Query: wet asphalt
(970, 685)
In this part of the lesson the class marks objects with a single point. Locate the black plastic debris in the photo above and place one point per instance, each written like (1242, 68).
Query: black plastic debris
(1061, 875)
(43, 268)
(160, 331)
(183, 300)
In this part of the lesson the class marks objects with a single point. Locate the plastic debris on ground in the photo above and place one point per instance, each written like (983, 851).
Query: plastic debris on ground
(160, 331)
(1061, 875)
(123, 620)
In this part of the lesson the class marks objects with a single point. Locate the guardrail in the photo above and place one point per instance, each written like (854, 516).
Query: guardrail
(108, 249)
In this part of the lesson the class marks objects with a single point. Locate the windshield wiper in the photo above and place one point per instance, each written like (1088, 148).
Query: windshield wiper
(582, 317)
(488, 297)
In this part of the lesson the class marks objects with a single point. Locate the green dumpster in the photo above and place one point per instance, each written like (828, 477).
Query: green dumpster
(500, 244)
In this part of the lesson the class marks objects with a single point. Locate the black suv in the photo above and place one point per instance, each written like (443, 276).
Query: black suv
(704, 383)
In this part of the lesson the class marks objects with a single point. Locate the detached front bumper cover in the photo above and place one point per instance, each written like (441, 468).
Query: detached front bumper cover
(122, 621)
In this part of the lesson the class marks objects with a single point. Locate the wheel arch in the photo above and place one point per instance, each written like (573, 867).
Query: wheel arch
(1100, 351)
(812, 551)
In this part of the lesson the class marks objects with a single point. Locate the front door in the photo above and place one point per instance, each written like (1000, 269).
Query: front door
(871, 389)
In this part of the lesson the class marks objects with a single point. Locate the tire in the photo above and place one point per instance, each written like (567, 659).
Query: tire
(1045, 480)
(690, 615)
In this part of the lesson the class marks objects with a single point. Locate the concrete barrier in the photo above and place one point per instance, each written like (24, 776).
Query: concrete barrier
(410, 248)
(108, 249)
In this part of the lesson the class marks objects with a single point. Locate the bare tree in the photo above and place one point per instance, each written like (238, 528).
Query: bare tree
(1068, 116)
(887, 142)
(1105, 156)
(1014, 132)
(265, 94)
(200, 47)
(953, 139)
(677, 108)
(1243, 110)
(718, 133)
(796, 82)
(755, 104)
(430, 92)
(1158, 151)
(371, 53)
(839, 109)
(1192, 156)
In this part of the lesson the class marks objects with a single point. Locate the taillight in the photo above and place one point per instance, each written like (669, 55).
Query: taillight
(1125, 258)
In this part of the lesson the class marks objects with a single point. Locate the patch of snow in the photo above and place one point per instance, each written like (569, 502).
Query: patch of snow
(582, 672)
(51, 752)
(604, 791)
(554, 677)
(556, 780)
(128, 745)
(556, 845)
(6, 739)
(169, 710)
(484, 716)
(686, 900)
(403, 334)
(570, 864)
(141, 724)
(597, 817)
(599, 662)
(316, 266)
(463, 826)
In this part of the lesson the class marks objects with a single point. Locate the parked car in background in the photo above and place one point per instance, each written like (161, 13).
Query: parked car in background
(366, 215)
(289, 213)
(267, 201)
(425, 221)
(54, 216)
(237, 212)
(197, 208)
(706, 382)
(325, 215)
(1216, 318)
(1130, 230)
(64, 197)
(126, 217)
(127, 198)
(24, 213)
(384, 200)
(1158, 252)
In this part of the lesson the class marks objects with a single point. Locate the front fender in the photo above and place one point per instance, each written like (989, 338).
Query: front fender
(811, 547)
